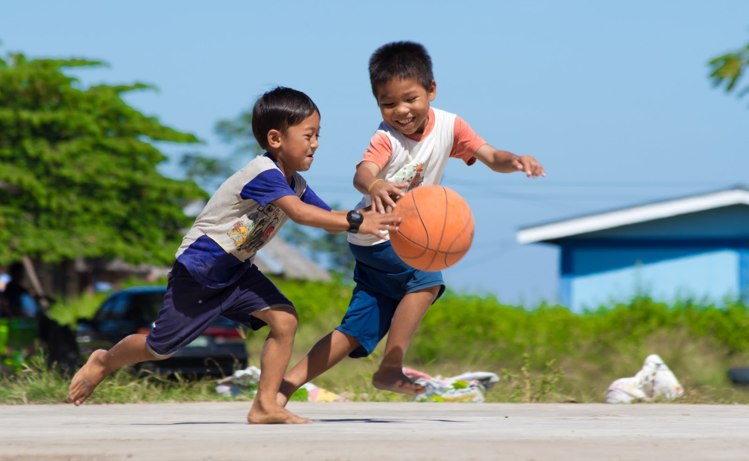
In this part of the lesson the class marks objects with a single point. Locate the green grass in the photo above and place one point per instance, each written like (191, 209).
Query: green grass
(35, 384)
(542, 354)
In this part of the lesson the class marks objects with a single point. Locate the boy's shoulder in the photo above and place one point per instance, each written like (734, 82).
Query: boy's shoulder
(249, 172)
(258, 165)
(443, 116)
(264, 163)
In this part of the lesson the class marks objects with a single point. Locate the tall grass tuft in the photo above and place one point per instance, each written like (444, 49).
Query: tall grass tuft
(35, 383)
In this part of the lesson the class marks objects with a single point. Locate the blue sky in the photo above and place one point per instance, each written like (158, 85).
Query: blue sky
(612, 97)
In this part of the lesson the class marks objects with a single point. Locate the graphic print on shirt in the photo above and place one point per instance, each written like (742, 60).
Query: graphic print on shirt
(412, 173)
(253, 230)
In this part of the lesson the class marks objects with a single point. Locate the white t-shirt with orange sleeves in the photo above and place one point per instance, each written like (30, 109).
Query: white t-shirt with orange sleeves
(417, 160)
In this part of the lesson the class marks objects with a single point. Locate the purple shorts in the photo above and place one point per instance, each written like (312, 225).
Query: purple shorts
(189, 307)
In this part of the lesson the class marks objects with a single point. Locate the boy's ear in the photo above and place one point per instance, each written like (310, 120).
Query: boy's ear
(432, 91)
(274, 139)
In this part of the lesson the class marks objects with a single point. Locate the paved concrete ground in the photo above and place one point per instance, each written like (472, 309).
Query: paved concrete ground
(377, 431)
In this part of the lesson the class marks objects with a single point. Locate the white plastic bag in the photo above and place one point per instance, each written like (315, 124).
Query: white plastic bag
(245, 382)
(655, 381)
(465, 387)
(241, 381)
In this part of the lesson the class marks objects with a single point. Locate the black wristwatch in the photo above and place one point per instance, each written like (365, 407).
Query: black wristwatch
(354, 219)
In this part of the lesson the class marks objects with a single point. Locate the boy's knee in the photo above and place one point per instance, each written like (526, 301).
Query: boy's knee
(284, 320)
(288, 323)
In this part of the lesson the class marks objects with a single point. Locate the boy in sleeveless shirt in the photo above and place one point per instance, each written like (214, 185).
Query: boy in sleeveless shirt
(410, 148)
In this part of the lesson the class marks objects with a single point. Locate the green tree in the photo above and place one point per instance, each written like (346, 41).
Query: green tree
(78, 169)
(728, 70)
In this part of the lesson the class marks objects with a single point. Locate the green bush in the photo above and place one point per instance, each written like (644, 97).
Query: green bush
(542, 353)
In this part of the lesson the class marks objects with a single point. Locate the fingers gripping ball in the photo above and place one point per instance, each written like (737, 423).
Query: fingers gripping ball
(436, 228)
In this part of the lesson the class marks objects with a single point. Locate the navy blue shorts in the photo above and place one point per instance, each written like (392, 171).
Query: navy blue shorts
(189, 307)
(382, 280)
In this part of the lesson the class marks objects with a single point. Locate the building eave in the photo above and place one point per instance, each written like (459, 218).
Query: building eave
(632, 215)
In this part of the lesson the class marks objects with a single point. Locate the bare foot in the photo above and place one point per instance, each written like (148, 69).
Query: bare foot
(87, 378)
(275, 415)
(393, 379)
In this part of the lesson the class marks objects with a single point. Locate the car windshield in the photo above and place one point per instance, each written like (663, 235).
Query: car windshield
(142, 308)
(224, 322)
(148, 303)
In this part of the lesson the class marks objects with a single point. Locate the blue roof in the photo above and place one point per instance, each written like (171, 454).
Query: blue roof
(736, 195)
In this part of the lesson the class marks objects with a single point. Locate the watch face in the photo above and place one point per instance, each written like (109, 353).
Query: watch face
(354, 217)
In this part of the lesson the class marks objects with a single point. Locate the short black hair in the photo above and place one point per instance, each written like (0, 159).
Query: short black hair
(402, 60)
(278, 109)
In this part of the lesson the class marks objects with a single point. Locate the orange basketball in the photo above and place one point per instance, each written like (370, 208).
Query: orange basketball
(436, 228)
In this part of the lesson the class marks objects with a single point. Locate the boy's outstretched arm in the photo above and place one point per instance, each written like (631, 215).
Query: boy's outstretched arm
(335, 221)
(383, 193)
(507, 162)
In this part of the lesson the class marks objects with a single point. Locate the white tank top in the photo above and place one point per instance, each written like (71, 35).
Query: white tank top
(414, 162)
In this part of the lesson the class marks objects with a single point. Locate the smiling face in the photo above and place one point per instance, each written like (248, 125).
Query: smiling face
(404, 104)
(295, 147)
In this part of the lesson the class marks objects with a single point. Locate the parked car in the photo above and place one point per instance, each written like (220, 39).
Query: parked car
(217, 352)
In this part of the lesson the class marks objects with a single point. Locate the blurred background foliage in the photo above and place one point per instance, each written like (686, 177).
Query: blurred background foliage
(78, 169)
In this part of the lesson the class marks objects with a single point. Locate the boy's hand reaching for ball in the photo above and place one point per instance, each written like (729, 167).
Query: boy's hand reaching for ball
(384, 194)
(377, 224)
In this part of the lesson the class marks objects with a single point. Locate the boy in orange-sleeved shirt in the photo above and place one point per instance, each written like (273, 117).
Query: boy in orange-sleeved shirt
(410, 148)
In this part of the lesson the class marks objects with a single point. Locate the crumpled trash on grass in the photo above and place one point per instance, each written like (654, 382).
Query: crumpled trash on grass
(655, 381)
(241, 381)
(246, 382)
(465, 387)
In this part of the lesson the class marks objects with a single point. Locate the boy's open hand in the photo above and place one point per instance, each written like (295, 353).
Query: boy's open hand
(378, 223)
(528, 165)
(384, 194)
